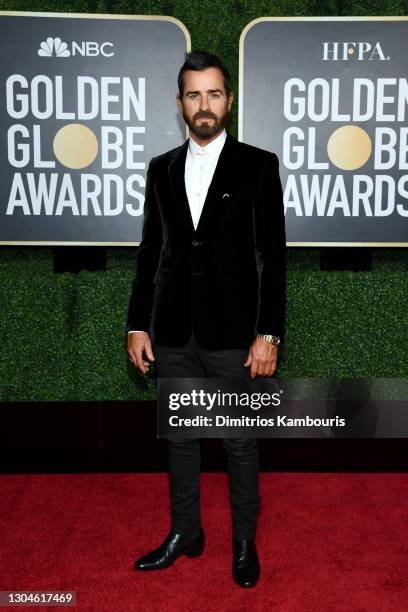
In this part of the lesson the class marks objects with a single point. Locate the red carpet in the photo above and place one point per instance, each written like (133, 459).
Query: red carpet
(326, 542)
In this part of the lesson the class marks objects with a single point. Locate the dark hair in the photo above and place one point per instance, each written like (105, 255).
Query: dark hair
(201, 60)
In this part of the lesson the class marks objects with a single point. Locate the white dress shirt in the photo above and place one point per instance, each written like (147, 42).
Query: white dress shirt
(201, 162)
(199, 171)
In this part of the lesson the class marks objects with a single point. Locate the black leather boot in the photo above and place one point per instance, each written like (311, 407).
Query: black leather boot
(173, 547)
(245, 564)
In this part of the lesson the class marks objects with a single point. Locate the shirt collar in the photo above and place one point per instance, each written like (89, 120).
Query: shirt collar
(213, 148)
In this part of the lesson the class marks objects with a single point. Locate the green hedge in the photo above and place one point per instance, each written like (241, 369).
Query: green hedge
(63, 334)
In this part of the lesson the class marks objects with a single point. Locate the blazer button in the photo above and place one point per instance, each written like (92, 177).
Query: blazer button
(195, 243)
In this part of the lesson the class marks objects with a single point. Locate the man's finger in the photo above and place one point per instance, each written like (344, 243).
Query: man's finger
(272, 368)
(261, 370)
(254, 368)
(139, 361)
(148, 350)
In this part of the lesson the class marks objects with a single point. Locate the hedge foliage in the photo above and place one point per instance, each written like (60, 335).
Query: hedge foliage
(63, 334)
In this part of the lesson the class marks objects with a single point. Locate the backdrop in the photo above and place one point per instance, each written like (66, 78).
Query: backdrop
(62, 335)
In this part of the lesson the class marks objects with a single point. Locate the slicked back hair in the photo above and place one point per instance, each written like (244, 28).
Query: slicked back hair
(201, 60)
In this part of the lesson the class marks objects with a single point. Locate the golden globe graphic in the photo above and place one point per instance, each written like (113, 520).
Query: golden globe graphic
(80, 122)
(75, 146)
(333, 108)
(349, 147)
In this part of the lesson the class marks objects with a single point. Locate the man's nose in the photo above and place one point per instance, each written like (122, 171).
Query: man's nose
(204, 103)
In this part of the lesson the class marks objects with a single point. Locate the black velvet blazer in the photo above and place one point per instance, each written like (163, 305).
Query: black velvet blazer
(226, 279)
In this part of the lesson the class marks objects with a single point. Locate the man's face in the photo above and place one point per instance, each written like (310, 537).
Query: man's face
(204, 104)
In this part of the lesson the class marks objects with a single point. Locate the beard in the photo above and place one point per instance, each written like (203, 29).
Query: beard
(206, 129)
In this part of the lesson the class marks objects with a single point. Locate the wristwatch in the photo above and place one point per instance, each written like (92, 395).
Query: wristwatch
(275, 340)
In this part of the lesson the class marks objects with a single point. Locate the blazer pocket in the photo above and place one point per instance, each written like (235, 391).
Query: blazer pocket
(232, 195)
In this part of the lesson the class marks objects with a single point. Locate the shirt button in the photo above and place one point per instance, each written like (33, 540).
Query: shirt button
(195, 243)
(198, 193)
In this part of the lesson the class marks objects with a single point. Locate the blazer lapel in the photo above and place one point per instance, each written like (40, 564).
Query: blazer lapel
(178, 186)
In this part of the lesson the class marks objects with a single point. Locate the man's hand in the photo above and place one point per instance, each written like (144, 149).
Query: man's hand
(262, 358)
(139, 343)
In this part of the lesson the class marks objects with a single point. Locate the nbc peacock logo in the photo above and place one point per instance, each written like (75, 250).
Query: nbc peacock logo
(54, 47)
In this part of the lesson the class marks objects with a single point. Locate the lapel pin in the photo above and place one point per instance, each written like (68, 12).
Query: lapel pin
(226, 195)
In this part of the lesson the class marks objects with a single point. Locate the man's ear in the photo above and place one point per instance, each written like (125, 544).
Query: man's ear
(230, 100)
(178, 101)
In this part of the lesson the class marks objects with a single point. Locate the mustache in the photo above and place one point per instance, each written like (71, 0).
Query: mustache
(205, 116)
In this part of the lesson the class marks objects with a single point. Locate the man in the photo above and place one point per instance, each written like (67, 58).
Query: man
(208, 295)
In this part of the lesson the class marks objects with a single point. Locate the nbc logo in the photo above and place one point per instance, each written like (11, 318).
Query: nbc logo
(54, 47)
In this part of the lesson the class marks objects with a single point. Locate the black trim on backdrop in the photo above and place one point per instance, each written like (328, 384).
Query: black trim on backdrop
(75, 259)
(355, 259)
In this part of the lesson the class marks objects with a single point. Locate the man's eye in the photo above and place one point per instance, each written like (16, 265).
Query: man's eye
(215, 95)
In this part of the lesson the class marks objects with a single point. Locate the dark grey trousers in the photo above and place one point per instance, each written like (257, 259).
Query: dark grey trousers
(193, 361)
